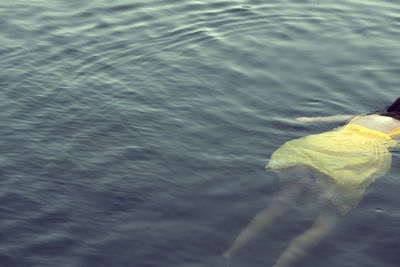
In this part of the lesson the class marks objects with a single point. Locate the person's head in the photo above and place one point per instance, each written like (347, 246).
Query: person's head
(395, 107)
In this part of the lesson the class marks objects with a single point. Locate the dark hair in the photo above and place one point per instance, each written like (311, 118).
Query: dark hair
(395, 106)
(393, 111)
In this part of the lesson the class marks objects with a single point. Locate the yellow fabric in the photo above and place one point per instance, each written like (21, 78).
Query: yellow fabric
(394, 132)
(391, 133)
(356, 117)
(350, 158)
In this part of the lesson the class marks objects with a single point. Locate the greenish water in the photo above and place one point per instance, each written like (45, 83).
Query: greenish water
(136, 133)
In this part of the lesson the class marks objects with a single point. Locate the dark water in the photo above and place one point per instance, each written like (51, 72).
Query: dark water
(135, 133)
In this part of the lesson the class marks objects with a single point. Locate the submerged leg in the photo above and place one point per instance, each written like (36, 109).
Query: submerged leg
(309, 239)
(268, 215)
(262, 220)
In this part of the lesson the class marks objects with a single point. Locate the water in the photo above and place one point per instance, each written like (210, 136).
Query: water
(135, 133)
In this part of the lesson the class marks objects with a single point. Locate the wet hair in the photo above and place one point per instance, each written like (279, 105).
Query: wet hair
(393, 110)
(395, 106)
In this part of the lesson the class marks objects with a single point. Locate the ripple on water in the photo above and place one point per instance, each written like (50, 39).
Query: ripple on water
(124, 121)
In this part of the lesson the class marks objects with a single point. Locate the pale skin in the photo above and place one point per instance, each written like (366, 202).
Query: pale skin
(327, 217)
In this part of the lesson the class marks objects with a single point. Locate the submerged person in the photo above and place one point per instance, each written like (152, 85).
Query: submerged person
(338, 165)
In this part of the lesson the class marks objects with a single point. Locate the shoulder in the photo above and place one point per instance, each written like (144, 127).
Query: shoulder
(393, 114)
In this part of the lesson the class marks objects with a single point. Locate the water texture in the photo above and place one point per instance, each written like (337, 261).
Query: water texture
(135, 133)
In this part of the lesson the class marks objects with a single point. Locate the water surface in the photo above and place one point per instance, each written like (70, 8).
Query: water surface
(135, 133)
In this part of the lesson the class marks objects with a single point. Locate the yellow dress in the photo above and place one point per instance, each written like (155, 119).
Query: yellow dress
(349, 158)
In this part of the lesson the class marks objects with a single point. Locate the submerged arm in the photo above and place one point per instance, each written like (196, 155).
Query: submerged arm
(334, 118)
